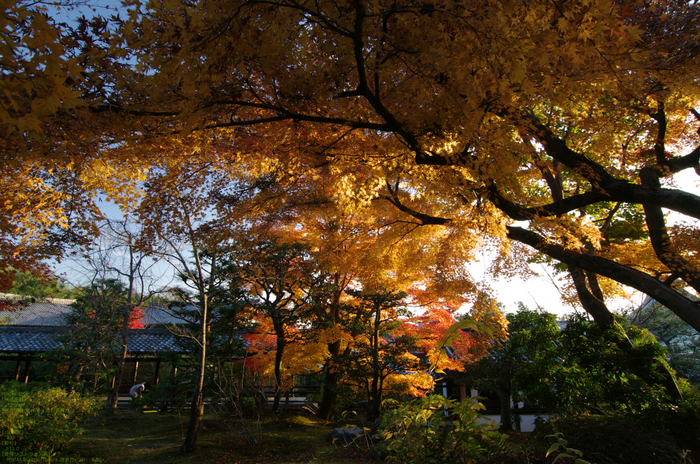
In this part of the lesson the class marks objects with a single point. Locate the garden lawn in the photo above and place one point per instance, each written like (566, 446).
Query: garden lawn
(135, 437)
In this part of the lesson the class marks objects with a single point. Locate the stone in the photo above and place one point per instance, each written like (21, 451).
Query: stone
(347, 435)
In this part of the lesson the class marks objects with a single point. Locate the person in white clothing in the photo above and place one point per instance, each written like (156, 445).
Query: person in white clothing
(137, 389)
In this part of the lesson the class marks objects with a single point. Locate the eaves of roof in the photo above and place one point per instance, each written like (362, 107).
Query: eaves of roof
(32, 340)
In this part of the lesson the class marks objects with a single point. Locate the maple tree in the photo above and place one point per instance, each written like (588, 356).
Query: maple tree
(276, 280)
(51, 175)
(514, 128)
(541, 126)
(346, 247)
(539, 113)
(379, 349)
(389, 348)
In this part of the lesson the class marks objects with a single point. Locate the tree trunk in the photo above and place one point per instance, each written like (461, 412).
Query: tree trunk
(375, 390)
(375, 399)
(281, 343)
(504, 395)
(330, 383)
(113, 397)
(197, 404)
(76, 372)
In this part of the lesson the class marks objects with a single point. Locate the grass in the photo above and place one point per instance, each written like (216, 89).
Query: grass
(135, 437)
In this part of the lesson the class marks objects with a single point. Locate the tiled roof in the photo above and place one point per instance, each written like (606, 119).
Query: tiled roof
(25, 340)
(39, 326)
(28, 339)
(47, 312)
(151, 341)
(162, 314)
(52, 312)
(37, 314)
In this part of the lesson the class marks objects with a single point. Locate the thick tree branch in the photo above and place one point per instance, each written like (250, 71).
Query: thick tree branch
(620, 191)
(660, 239)
(685, 308)
(425, 219)
(591, 303)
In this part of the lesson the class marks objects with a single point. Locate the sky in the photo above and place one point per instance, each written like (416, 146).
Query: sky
(85, 8)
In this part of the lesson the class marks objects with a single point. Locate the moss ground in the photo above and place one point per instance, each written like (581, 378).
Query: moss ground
(135, 437)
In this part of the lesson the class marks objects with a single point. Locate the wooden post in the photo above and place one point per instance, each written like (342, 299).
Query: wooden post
(136, 371)
(19, 365)
(157, 374)
(27, 364)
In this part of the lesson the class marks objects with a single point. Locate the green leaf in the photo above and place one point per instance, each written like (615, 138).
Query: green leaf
(454, 330)
(562, 455)
(553, 448)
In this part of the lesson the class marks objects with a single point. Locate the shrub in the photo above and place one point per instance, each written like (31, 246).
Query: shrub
(240, 410)
(619, 440)
(438, 430)
(682, 421)
(37, 419)
(169, 393)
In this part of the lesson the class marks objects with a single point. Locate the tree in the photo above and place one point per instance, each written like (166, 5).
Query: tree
(135, 270)
(614, 379)
(276, 280)
(197, 275)
(116, 255)
(575, 370)
(347, 250)
(380, 347)
(519, 366)
(331, 311)
(52, 172)
(94, 341)
(522, 127)
(513, 132)
(176, 229)
(27, 284)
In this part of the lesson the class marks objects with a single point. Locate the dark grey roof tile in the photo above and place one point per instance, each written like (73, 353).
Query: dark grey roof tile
(42, 339)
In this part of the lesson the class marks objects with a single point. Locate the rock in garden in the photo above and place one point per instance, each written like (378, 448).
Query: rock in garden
(347, 435)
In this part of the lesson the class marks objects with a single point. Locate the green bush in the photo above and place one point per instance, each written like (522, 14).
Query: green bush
(37, 419)
(681, 420)
(438, 430)
(169, 394)
(618, 440)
